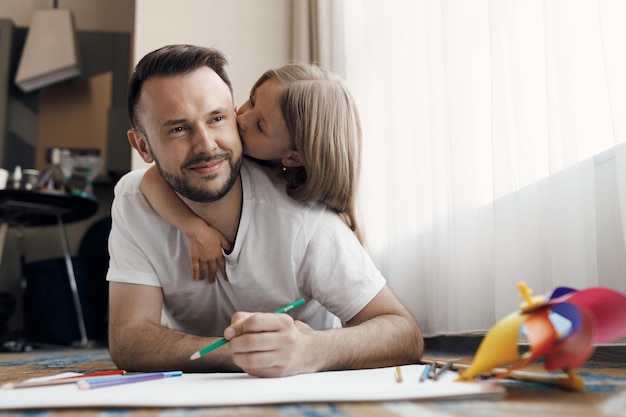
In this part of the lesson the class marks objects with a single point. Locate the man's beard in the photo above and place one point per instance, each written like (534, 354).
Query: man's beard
(197, 194)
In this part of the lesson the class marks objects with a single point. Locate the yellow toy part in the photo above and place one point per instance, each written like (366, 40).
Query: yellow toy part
(530, 303)
(541, 339)
(499, 346)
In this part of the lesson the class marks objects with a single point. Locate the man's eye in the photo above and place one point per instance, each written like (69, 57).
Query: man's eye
(218, 118)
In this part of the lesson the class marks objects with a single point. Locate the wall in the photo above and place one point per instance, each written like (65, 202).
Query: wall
(253, 34)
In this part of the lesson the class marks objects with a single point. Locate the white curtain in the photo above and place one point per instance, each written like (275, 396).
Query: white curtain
(492, 148)
(312, 31)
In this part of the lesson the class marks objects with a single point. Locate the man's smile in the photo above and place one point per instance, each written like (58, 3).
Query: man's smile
(206, 166)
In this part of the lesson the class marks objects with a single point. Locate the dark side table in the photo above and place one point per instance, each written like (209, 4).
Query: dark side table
(27, 208)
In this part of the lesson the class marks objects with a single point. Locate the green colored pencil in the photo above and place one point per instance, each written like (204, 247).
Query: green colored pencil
(223, 340)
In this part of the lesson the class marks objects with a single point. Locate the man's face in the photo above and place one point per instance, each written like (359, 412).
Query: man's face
(191, 131)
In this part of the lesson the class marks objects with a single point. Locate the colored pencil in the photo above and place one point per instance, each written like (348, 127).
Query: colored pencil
(558, 379)
(447, 366)
(60, 381)
(125, 379)
(433, 371)
(425, 373)
(223, 340)
(399, 374)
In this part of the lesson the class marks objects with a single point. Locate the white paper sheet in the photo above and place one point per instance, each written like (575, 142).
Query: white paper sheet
(200, 390)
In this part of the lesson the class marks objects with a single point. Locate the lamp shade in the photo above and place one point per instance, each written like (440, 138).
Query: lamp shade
(50, 52)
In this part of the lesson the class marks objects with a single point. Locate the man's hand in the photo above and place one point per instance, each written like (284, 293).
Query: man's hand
(382, 334)
(268, 344)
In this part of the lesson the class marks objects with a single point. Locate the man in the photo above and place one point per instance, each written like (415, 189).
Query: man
(183, 118)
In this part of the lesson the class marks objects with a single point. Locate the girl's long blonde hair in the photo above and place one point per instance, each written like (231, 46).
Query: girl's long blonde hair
(324, 126)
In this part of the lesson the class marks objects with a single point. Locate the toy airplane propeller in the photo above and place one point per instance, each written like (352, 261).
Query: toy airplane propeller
(562, 327)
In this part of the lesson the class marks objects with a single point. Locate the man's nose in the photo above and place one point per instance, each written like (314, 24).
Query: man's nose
(204, 141)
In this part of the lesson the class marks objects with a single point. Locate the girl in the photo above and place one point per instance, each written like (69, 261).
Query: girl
(302, 124)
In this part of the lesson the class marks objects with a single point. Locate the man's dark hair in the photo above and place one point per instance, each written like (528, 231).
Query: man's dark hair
(169, 61)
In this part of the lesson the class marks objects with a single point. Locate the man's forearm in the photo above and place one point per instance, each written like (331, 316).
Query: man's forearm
(386, 340)
(383, 333)
(150, 348)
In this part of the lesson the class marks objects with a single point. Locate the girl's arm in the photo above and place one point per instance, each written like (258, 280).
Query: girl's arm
(205, 242)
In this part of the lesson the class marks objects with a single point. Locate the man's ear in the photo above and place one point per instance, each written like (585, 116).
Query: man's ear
(141, 145)
(292, 159)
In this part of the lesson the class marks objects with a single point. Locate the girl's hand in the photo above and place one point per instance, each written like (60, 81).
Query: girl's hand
(205, 252)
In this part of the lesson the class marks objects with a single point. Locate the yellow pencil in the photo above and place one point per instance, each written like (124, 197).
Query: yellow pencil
(398, 374)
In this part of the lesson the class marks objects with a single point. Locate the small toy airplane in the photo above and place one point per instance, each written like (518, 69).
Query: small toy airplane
(563, 327)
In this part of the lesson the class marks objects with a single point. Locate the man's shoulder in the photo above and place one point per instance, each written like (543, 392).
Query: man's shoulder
(258, 183)
(130, 204)
(130, 182)
(254, 171)
(261, 186)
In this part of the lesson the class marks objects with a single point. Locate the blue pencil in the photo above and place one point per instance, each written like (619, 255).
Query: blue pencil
(125, 379)
(425, 373)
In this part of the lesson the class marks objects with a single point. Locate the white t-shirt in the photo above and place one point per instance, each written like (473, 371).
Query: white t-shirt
(284, 250)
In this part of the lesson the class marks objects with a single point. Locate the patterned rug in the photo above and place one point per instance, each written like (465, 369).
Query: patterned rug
(604, 394)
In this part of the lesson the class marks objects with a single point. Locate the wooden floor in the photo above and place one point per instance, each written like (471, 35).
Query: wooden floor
(604, 395)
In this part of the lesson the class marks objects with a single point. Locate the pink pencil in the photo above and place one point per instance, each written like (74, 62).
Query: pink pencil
(61, 381)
